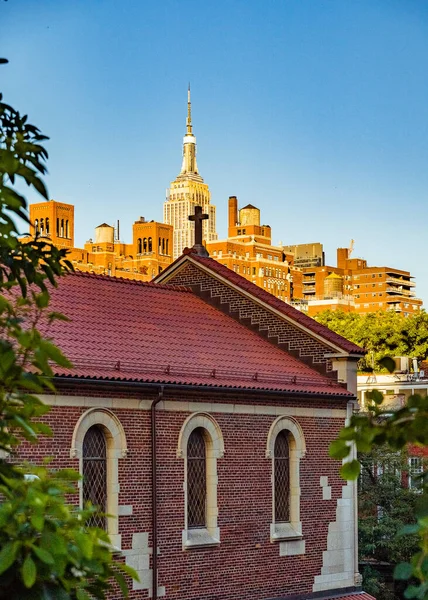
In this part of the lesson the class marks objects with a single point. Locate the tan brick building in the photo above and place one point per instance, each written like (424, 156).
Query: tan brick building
(148, 254)
(248, 250)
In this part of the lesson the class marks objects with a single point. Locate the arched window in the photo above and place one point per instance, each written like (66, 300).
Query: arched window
(36, 226)
(139, 246)
(163, 245)
(200, 444)
(57, 227)
(47, 225)
(282, 478)
(99, 443)
(42, 226)
(150, 244)
(196, 479)
(62, 228)
(285, 447)
(145, 245)
(95, 473)
(66, 228)
(167, 244)
(160, 246)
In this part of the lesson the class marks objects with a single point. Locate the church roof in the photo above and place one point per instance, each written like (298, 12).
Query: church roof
(259, 293)
(148, 332)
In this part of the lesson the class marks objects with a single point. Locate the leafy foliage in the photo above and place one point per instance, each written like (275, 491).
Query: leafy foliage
(382, 334)
(46, 549)
(382, 428)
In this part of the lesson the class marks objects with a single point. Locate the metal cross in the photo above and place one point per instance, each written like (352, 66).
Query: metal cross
(198, 217)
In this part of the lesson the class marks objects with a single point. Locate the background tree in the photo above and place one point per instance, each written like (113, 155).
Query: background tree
(46, 549)
(381, 334)
(380, 427)
(385, 506)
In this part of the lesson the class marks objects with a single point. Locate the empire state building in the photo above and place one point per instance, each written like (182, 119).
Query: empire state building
(187, 191)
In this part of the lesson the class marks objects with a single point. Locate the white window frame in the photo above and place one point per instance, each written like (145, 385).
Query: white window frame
(209, 535)
(297, 444)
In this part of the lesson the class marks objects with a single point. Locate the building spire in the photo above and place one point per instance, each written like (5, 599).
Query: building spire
(189, 167)
(189, 113)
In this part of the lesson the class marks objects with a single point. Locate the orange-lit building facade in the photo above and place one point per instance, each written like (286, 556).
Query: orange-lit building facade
(248, 250)
(148, 254)
(353, 286)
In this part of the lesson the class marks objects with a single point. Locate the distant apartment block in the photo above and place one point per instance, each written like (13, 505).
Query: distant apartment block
(354, 286)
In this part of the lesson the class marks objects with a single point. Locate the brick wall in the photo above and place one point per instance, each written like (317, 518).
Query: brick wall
(246, 565)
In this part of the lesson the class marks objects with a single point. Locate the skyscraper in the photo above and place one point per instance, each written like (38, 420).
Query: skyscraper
(187, 191)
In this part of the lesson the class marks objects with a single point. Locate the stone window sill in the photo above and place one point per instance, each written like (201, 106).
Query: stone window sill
(285, 531)
(200, 538)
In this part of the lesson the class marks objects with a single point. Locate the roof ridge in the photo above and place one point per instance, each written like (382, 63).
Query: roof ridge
(288, 310)
(111, 278)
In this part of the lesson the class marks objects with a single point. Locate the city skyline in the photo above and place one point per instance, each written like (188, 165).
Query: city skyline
(318, 115)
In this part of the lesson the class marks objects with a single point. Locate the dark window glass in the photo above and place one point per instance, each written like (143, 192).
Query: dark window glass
(95, 473)
(282, 478)
(196, 479)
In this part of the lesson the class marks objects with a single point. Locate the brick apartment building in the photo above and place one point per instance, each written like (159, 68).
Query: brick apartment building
(200, 409)
(354, 286)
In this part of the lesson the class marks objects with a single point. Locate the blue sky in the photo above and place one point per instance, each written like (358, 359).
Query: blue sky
(314, 110)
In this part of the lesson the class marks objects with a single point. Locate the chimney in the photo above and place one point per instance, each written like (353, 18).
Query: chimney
(233, 211)
(342, 257)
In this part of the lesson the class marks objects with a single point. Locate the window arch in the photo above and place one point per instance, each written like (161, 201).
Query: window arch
(139, 246)
(36, 226)
(47, 225)
(42, 226)
(150, 244)
(66, 228)
(285, 447)
(106, 422)
(145, 245)
(200, 444)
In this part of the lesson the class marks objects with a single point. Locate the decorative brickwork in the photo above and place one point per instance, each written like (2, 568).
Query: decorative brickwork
(280, 332)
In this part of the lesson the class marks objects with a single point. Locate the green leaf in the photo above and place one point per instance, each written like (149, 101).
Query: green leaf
(403, 571)
(339, 449)
(44, 555)
(8, 555)
(388, 363)
(350, 470)
(41, 300)
(37, 521)
(29, 572)
(412, 592)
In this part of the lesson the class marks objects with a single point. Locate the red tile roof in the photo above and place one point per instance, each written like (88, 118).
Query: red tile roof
(129, 330)
(286, 309)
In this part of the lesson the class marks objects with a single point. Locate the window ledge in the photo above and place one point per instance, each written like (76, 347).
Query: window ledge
(200, 538)
(285, 531)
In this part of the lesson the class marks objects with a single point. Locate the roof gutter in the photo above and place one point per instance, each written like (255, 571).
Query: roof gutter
(58, 379)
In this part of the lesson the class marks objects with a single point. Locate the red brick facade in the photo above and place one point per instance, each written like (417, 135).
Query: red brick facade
(246, 564)
(244, 555)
